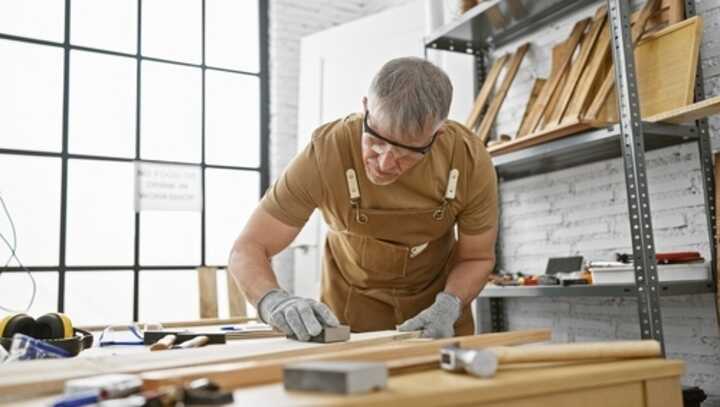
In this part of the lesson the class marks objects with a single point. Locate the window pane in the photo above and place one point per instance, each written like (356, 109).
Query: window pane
(99, 297)
(16, 290)
(31, 81)
(169, 296)
(231, 31)
(170, 238)
(30, 187)
(232, 122)
(170, 120)
(102, 104)
(42, 19)
(231, 197)
(172, 29)
(101, 218)
(105, 24)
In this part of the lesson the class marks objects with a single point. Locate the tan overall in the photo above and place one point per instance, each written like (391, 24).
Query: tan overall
(382, 267)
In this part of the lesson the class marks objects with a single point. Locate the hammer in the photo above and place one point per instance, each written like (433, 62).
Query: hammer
(484, 362)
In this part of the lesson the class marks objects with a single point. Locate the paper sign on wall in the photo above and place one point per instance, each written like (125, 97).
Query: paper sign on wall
(168, 187)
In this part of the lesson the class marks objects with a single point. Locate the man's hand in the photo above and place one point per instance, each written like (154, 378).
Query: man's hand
(437, 320)
(301, 317)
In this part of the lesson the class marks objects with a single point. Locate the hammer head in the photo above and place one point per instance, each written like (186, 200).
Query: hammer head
(477, 362)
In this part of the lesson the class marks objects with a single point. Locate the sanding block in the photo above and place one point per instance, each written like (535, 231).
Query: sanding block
(335, 376)
(339, 333)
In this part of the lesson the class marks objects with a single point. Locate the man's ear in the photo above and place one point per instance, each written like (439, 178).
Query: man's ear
(364, 103)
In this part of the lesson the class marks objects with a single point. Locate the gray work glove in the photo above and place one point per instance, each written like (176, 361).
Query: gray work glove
(298, 316)
(437, 320)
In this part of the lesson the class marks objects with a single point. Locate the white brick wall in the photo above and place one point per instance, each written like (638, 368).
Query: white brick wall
(576, 211)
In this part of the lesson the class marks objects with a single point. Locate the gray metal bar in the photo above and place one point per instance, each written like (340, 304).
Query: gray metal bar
(706, 162)
(633, 150)
(610, 290)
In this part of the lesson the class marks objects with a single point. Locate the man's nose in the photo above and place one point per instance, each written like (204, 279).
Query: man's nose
(386, 161)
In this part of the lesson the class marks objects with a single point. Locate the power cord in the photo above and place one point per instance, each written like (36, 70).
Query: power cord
(13, 254)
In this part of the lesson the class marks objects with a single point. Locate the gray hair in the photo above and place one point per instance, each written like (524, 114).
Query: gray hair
(409, 94)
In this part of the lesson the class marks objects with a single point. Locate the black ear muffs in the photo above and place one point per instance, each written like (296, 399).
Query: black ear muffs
(54, 328)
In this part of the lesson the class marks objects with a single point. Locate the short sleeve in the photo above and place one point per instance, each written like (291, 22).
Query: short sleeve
(297, 192)
(480, 211)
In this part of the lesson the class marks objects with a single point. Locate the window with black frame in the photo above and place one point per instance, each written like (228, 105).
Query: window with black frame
(90, 88)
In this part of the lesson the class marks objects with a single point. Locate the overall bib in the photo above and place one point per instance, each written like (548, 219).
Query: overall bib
(384, 266)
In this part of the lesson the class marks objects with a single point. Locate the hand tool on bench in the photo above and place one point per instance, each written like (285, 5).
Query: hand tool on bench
(484, 362)
(193, 343)
(163, 343)
(330, 334)
(335, 376)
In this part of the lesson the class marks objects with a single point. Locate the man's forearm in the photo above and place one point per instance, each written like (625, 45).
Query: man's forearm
(468, 278)
(251, 269)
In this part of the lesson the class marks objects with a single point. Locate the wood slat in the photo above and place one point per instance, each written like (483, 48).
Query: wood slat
(578, 66)
(559, 53)
(534, 92)
(207, 290)
(236, 375)
(550, 87)
(236, 297)
(494, 108)
(484, 94)
(689, 113)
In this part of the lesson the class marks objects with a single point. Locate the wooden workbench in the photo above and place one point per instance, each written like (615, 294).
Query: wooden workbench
(641, 382)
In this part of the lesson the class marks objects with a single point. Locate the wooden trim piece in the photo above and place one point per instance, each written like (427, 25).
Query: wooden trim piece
(207, 290)
(608, 83)
(546, 94)
(177, 324)
(406, 354)
(544, 136)
(46, 376)
(484, 94)
(578, 66)
(534, 92)
(559, 53)
(489, 118)
(236, 298)
(665, 391)
(689, 113)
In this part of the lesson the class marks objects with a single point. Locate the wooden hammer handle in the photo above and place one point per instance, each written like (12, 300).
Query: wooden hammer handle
(578, 351)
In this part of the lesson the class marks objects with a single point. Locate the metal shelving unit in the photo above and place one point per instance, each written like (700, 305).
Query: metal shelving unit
(497, 22)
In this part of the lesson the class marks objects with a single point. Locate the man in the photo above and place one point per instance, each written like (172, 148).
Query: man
(391, 184)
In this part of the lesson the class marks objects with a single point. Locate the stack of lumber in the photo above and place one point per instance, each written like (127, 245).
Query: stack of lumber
(579, 92)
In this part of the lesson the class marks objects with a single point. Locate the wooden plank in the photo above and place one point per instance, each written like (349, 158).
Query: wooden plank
(578, 66)
(494, 108)
(689, 113)
(559, 53)
(550, 87)
(237, 375)
(177, 324)
(207, 290)
(236, 298)
(484, 94)
(588, 385)
(608, 83)
(534, 92)
(591, 76)
(544, 136)
(47, 376)
(665, 391)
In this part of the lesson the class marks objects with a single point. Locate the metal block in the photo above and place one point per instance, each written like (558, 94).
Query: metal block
(330, 334)
(335, 377)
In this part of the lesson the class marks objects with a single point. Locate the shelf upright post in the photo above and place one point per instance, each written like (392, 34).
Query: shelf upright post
(633, 153)
(706, 160)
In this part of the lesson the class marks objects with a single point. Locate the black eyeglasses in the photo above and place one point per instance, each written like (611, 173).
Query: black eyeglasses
(420, 150)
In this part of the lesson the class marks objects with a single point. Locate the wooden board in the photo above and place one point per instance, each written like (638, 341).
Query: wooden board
(45, 376)
(545, 136)
(559, 53)
(578, 66)
(534, 92)
(404, 354)
(484, 94)
(589, 385)
(551, 85)
(494, 108)
(207, 292)
(689, 113)
(177, 324)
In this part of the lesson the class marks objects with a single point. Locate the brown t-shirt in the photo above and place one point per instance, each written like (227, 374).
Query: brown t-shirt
(303, 185)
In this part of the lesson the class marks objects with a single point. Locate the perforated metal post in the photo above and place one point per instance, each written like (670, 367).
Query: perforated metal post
(633, 153)
(497, 315)
(706, 159)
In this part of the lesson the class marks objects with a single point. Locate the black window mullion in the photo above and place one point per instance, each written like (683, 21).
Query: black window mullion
(64, 161)
(264, 97)
(136, 251)
(202, 142)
